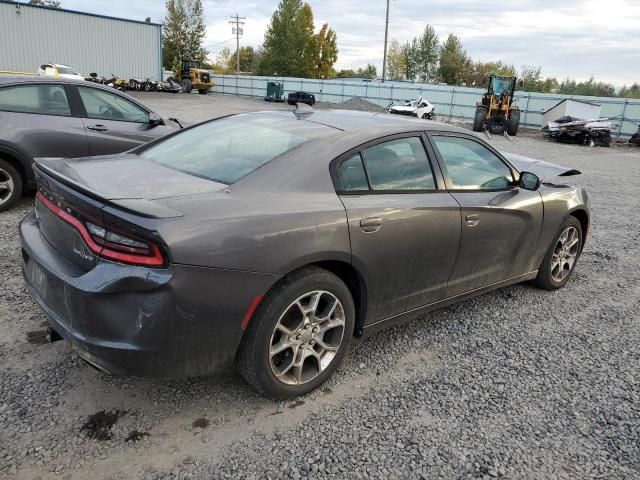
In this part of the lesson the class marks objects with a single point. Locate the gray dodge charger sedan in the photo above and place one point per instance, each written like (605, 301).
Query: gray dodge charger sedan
(269, 240)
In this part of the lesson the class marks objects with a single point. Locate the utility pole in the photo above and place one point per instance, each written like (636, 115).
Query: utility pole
(235, 20)
(386, 33)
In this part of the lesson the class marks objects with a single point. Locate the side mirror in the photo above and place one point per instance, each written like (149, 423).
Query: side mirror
(155, 119)
(529, 181)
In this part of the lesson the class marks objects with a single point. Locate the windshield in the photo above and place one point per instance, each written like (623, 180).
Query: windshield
(66, 71)
(226, 150)
(501, 85)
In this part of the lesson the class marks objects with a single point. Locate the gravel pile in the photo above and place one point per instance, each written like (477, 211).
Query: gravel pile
(518, 383)
(354, 103)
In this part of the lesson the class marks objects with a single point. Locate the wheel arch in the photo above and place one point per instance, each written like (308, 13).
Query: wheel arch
(353, 279)
(583, 217)
(19, 161)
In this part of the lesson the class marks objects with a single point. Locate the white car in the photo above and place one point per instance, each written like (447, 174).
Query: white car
(420, 108)
(59, 71)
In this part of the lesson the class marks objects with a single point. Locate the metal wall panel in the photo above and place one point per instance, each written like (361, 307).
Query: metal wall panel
(31, 36)
(450, 102)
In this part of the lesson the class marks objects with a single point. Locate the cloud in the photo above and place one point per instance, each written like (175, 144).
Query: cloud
(567, 38)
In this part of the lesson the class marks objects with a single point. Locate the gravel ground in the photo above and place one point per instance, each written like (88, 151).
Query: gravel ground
(518, 383)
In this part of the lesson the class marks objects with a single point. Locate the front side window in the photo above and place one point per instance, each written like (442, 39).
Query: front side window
(400, 164)
(42, 99)
(107, 106)
(472, 166)
(227, 149)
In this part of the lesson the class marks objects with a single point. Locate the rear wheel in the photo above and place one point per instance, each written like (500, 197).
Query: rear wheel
(479, 118)
(187, 86)
(560, 261)
(513, 123)
(298, 335)
(10, 185)
(203, 91)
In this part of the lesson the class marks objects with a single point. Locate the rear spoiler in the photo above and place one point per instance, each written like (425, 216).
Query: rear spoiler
(544, 170)
(136, 206)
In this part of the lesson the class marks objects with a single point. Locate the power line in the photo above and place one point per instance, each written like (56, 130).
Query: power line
(235, 20)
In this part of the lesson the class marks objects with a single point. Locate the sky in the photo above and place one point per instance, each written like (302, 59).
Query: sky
(567, 38)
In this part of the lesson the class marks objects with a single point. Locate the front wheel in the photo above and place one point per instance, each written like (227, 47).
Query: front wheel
(479, 118)
(560, 261)
(298, 335)
(187, 86)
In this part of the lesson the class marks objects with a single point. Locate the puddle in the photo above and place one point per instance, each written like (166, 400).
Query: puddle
(135, 436)
(200, 423)
(37, 337)
(99, 424)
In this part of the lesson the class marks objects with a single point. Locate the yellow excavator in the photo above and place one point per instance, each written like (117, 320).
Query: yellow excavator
(497, 112)
(191, 76)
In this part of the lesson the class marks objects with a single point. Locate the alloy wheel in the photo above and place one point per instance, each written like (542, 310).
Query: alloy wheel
(307, 337)
(6, 186)
(565, 254)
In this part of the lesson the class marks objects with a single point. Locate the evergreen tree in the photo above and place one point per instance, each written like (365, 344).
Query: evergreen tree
(427, 52)
(453, 59)
(184, 31)
(287, 40)
(326, 51)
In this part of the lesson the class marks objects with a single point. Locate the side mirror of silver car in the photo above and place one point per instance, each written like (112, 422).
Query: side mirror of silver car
(155, 119)
(529, 181)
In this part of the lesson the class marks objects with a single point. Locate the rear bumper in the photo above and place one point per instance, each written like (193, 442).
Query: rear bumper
(177, 322)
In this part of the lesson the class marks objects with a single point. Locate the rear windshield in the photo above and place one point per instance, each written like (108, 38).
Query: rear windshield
(226, 150)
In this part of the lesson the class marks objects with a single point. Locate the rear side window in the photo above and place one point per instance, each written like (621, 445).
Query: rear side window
(108, 106)
(227, 149)
(352, 175)
(42, 99)
(400, 164)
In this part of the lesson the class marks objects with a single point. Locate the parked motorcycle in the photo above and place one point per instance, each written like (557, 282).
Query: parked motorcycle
(419, 107)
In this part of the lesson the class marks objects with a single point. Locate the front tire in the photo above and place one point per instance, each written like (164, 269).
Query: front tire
(187, 86)
(10, 185)
(514, 122)
(479, 118)
(562, 257)
(298, 335)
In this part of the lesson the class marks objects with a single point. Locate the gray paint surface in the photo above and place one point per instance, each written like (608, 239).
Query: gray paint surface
(31, 36)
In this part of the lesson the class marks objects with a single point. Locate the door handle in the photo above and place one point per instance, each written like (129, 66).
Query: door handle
(98, 128)
(370, 225)
(472, 219)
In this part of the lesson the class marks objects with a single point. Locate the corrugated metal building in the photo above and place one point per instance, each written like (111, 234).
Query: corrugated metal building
(33, 35)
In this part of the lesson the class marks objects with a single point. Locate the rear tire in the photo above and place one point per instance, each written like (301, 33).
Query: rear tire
(203, 91)
(555, 271)
(479, 118)
(10, 185)
(187, 86)
(275, 373)
(513, 123)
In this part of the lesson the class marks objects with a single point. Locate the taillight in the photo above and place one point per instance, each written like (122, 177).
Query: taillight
(107, 241)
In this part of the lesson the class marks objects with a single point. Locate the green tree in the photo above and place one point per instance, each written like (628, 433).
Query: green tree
(184, 31)
(410, 52)
(427, 54)
(477, 73)
(287, 41)
(631, 92)
(345, 73)
(396, 61)
(589, 88)
(453, 59)
(369, 71)
(325, 49)
(247, 60)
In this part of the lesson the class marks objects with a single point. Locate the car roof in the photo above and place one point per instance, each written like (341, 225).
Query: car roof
(352, 120)
(18, 79)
